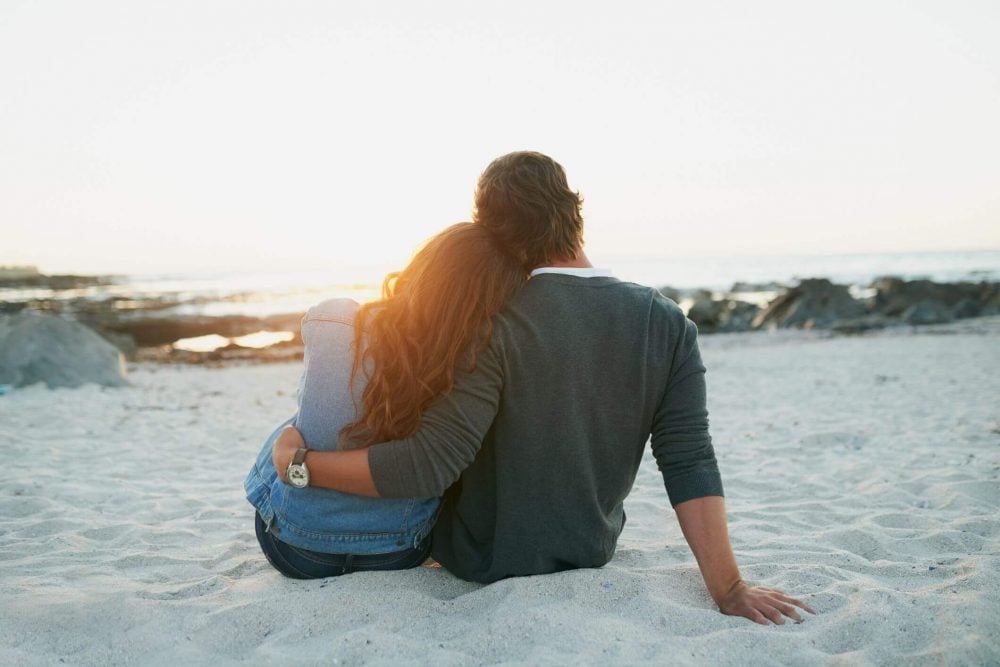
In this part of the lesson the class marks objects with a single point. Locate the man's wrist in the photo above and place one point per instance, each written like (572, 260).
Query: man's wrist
(722, 592)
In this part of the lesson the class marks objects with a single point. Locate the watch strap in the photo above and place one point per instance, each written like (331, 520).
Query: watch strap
(300, 456)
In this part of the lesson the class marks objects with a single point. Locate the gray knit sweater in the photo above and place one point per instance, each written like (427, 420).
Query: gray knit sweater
(540, 444)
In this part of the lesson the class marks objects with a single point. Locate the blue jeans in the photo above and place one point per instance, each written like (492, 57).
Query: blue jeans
(304, 564)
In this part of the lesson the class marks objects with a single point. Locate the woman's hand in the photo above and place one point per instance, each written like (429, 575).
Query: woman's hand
(284, 448)
(761, 604)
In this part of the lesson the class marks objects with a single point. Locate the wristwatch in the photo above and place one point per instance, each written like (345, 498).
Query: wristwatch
(297, 473)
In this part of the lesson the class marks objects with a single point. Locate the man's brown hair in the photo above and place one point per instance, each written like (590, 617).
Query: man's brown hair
(523, 199)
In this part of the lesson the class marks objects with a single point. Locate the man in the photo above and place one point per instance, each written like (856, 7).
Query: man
(539, 445)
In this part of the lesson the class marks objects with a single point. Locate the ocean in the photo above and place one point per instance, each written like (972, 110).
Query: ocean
(263, 293)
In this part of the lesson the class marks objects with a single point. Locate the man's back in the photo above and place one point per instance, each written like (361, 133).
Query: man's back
(578, 374)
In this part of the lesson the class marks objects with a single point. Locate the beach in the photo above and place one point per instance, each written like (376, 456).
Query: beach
(862, 475)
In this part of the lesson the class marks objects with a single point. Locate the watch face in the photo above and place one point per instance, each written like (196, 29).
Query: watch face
(298, 476)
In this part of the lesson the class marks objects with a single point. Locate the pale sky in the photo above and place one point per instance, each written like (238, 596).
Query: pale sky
(169, 136)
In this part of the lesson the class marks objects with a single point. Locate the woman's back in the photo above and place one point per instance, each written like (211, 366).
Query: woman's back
(319, 519)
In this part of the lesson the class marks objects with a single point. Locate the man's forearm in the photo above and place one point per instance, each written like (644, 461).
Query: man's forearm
(345, 471)
(703, 522)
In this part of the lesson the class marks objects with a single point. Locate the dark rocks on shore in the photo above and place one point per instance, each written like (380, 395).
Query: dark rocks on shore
(722, 316)
(671, 293)
(38, 347)
(164, 330)
(895, 297)
(281, 352)
(124, 342)
(869, 322)
(813, 303)
(772, 286)
(927, 311)
(53, 282)
(818, 303)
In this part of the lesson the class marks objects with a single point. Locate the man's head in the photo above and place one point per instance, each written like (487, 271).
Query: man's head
(524, 200)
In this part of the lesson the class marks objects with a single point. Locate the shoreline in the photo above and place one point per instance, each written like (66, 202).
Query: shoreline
(160, 327)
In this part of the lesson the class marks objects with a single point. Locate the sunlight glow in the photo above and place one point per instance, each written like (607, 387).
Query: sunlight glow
(180, 136)
(262, 339)
(207, 343)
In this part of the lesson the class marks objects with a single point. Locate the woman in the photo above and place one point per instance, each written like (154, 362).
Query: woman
(370, 372)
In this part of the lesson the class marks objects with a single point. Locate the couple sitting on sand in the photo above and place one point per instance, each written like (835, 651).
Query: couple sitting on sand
(492, 409)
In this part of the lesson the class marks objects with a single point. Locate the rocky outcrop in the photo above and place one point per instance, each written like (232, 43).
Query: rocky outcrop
(670, 292)
(813, 303)
(722, 315)
(856, 325)
(26, 277)
(927, 302)
(928, 312)
(741, 286)
(38, 347)
(154, 331)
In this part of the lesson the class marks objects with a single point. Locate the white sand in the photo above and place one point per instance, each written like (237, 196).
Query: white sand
(862, 475)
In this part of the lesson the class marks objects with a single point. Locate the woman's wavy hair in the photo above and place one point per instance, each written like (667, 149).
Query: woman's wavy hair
(434, 317)
(524, 200)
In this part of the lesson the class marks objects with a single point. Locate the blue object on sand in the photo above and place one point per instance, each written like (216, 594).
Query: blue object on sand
(5, 388)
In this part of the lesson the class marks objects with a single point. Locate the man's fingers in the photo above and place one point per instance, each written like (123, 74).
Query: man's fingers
(788, 599)
(774, 615)
(789, 611)
(798, 603)
(757, 617)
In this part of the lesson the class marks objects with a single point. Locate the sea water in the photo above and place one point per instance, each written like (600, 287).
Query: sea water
(263, 293)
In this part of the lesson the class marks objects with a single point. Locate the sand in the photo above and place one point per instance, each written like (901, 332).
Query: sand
(861, 474)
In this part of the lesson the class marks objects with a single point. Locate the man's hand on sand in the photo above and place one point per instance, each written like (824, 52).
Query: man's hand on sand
(761, 604)
(284, 449)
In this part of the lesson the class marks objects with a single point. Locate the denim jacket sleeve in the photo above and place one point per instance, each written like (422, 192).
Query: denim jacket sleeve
(326, 403)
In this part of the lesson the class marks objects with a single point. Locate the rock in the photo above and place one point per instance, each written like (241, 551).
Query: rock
(756, 287)
(671, 293)
(861, 324)
(989, 302)
(705, 313)
(928, 312)
(700, 295)
(813, 303)
(894, 296)
(164, 330)
(965, 308)
(738, 316)
(722, 316)
(38, 347)
(122, 341)
(12, 273)
(29, 277)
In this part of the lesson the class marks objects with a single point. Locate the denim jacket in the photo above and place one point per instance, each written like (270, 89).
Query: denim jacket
(321, 519)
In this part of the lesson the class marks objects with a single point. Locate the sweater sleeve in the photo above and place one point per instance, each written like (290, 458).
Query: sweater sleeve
(681, 442)
(451, 432)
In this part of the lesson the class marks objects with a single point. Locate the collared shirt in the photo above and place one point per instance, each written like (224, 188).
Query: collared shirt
(590, 272)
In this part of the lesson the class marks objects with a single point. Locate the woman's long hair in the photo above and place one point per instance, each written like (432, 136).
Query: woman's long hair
(434, 317)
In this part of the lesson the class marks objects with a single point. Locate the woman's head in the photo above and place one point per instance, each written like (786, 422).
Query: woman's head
(434, 316)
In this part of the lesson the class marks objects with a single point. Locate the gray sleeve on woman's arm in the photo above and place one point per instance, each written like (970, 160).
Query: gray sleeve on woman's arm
(680, 438)
(451, 432)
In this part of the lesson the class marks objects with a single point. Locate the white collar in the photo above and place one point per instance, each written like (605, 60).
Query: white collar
(591, 272)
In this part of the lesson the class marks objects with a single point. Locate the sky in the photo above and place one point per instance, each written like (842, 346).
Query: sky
(173, 136)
